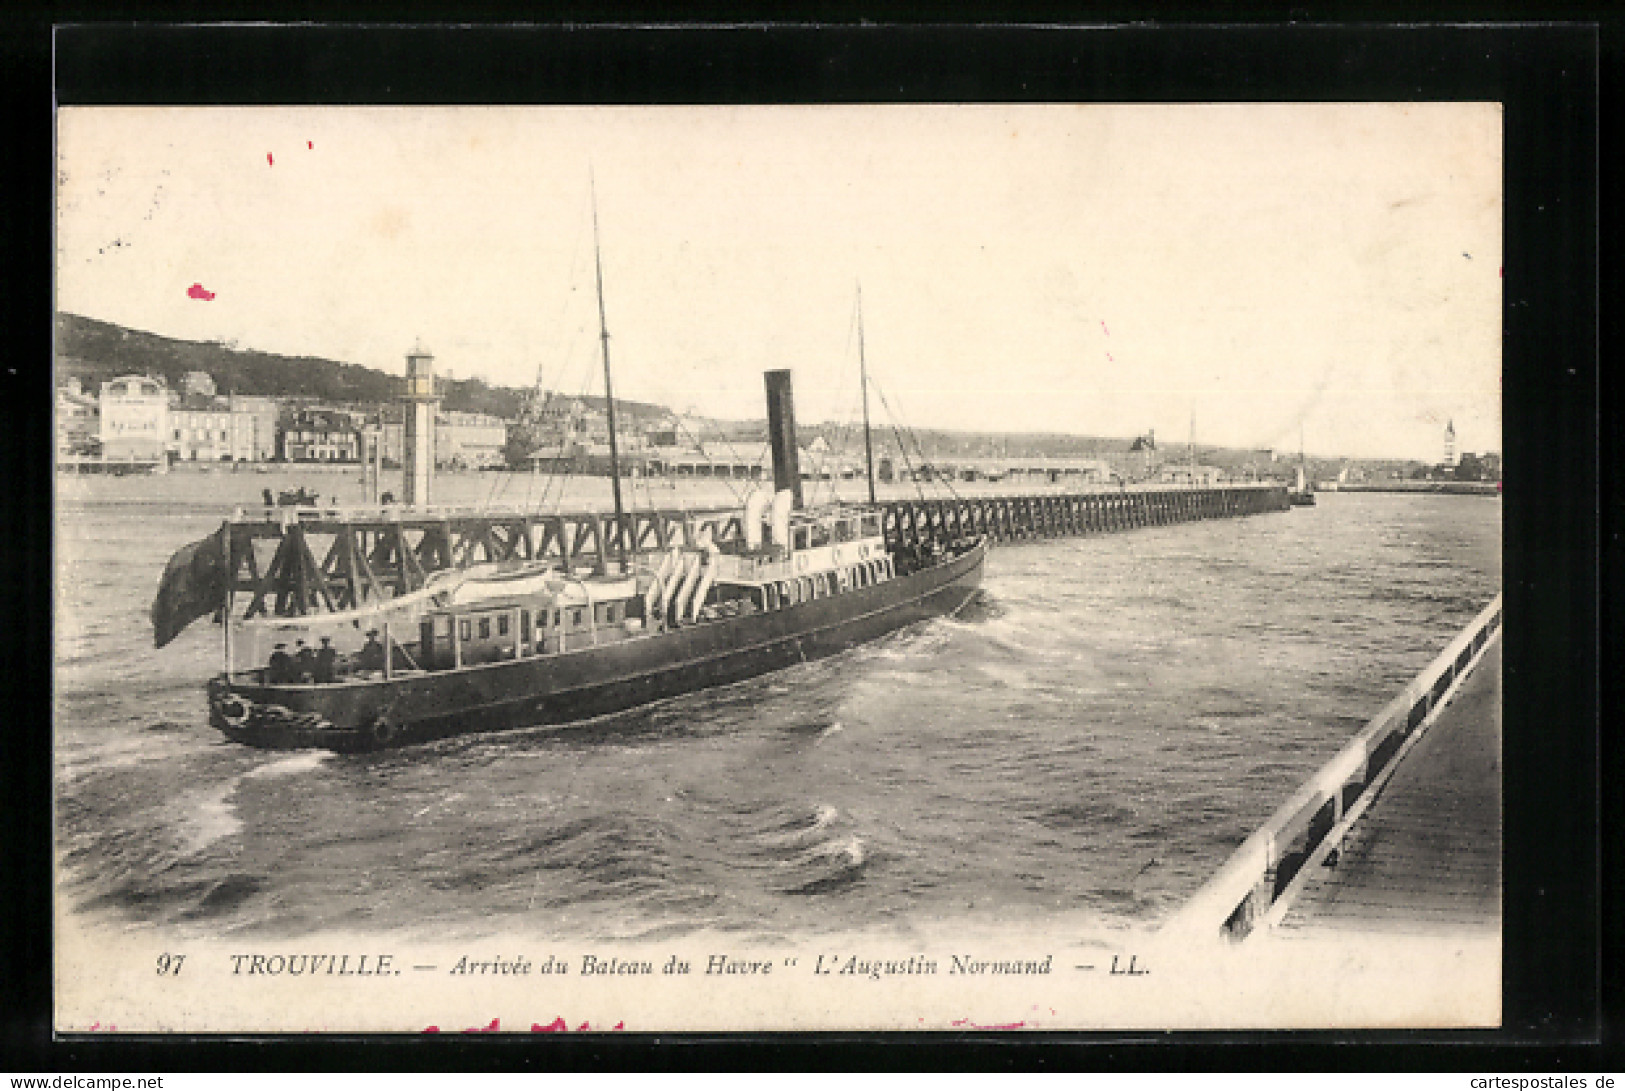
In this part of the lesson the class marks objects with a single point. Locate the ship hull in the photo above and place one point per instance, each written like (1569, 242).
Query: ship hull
(563, 688)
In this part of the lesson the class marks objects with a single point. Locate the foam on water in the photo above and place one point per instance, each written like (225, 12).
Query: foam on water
(1098, 729)
(297, 765)
(207, 817)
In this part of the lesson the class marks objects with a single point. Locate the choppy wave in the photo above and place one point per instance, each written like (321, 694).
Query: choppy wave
(1096, 730)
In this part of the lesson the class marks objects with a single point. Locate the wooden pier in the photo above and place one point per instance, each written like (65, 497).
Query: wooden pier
(297, 561)
(1400, 832)
(1014, 518)
(1426, 857)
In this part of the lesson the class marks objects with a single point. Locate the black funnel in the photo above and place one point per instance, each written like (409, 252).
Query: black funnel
(781, 430)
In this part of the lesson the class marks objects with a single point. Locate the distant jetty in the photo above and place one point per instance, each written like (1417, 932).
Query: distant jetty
(1460, 488)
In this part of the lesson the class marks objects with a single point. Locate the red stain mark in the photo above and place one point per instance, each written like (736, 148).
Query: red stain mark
(269, 161)
(97, 1025)
(1103, 328)
(1501, 272)
(559, 1026)
(1109, 357)
(431, 1030)
(987, 1026)
(1497, 486)
(495, 1025)
(198, 291)
(308, 144)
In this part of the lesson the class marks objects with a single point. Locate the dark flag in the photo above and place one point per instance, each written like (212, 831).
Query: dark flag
(194, 585)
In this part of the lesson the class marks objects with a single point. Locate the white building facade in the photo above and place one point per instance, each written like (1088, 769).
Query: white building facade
(134, 419)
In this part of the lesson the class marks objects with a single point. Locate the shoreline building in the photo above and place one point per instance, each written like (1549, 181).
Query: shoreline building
(134, 425)
(205, 428)
(78, 423)
(312, 434)
(461, 439)
(469, 440)
(1450, 444)
(262, 414)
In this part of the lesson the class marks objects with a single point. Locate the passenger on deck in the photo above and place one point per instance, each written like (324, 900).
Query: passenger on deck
(270, 501)
(304, 662)
(371, 656)
(327, 660)
(280, 668)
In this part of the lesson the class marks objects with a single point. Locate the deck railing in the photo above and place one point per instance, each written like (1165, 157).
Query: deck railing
(1255, 884)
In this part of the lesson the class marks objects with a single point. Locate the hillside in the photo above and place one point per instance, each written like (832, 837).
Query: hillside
(95, 351)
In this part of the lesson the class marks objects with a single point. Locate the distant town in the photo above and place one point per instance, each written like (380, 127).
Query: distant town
(128, 401)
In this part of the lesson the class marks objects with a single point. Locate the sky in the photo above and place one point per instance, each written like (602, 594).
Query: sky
(1254, 273)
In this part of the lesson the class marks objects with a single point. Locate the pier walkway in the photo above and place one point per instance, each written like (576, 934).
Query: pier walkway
(1426, 855)
(1399, 833)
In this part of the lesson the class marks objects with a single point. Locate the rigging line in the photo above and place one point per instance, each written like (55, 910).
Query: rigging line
(733, 453)
(936, 479)
(700, 448)
(902, 449)
(530, 409)
(941, 482)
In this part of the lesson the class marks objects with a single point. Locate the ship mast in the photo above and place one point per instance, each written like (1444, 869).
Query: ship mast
(863, 372)
(609, 390)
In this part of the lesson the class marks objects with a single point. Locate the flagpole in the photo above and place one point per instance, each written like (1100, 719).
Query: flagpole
(225, 611)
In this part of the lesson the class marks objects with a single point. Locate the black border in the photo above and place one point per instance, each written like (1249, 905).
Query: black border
(1547, 76)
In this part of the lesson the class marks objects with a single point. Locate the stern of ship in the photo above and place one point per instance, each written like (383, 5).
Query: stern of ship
(260, 716)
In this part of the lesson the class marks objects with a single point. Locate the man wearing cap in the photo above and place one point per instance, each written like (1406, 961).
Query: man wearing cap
(327, 660)
(371, 656)
(304, 661)
(280, 668)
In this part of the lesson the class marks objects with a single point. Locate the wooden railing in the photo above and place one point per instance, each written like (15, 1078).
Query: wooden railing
(1258, 881)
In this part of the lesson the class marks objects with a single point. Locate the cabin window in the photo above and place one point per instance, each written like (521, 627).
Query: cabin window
(843, 530)
(575, 617)
(555, 619)
(871, 526)
(485, 628)
(801, 538)
(464, 630)
(502, 625)
(610, 612)
(820, 534)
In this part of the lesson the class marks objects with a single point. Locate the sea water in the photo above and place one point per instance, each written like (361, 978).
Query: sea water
(1093, 735)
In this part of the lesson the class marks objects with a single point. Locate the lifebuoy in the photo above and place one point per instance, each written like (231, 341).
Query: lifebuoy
(235, 711)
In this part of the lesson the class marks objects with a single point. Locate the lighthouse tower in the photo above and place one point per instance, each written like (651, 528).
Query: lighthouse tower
(418, 438)
(1450, 444)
